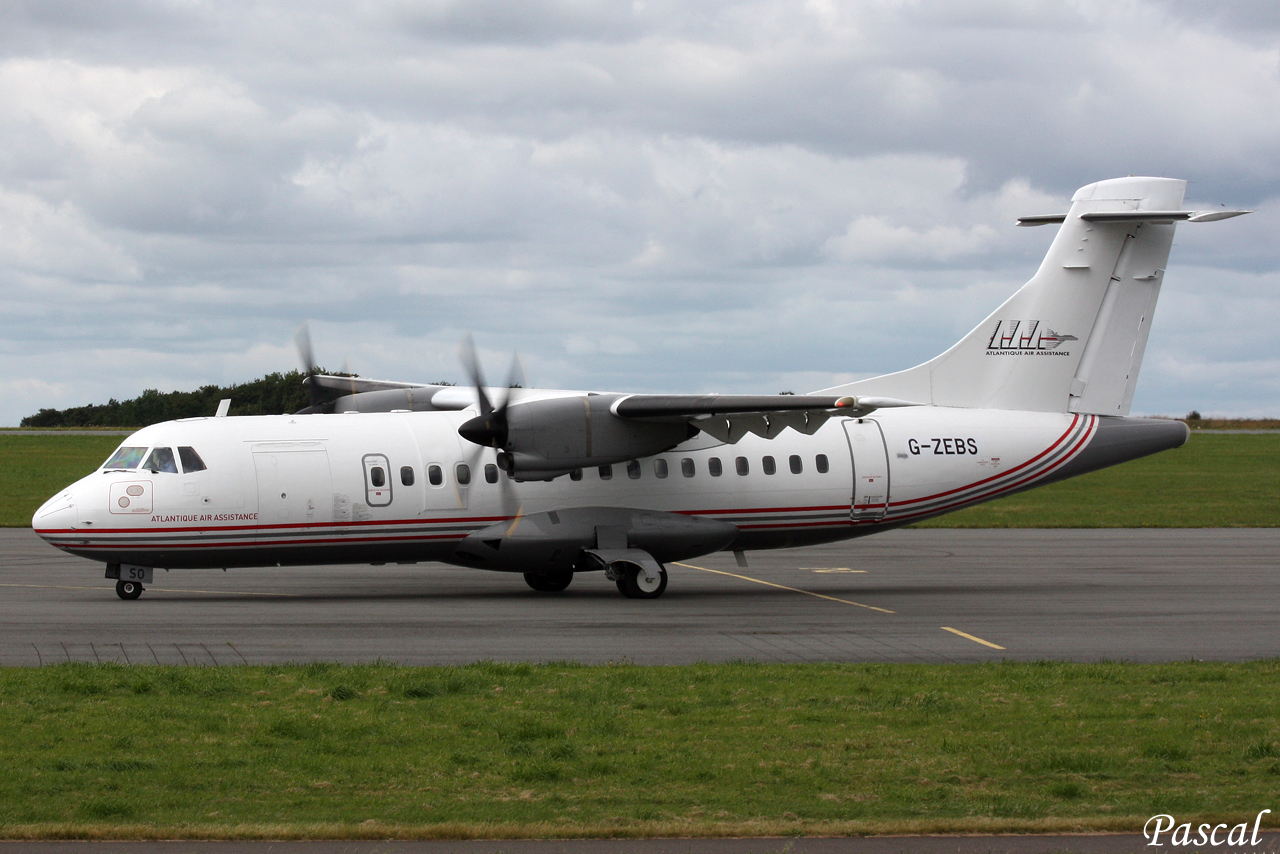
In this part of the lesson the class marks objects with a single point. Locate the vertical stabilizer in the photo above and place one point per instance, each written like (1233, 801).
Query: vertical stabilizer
(1072, 338)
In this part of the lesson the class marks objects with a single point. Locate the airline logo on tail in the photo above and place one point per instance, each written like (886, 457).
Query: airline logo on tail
(1026, 338)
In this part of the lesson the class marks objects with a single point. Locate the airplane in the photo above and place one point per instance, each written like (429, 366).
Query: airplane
(552, 483)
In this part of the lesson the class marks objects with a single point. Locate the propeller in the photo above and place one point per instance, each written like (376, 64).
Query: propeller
(318, 400)
(489, 428)
(302, 338)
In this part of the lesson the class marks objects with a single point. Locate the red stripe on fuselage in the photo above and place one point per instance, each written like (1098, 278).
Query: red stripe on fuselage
(1060, 440)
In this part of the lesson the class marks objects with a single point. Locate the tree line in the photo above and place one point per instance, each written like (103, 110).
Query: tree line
(273, 394)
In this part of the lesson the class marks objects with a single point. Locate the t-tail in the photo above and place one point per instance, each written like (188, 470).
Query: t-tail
(1072, 338)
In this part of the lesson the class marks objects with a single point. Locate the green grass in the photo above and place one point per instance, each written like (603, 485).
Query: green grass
(1213, 481)
(34, 468)
(566, 750)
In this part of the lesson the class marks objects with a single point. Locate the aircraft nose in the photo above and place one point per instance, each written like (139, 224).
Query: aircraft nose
(56, 514)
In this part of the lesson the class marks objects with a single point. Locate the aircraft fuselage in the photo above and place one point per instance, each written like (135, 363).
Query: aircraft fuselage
(388, 487)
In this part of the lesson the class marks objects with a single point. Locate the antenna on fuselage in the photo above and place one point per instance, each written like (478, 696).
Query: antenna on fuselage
(224, 406)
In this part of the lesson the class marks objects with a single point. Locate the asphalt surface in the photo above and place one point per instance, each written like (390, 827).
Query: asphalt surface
(922, 596)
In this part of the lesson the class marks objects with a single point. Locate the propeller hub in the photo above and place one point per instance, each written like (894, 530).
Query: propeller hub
(489, 431)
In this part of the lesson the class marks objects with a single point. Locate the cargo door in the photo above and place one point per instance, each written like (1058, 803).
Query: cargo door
(294, 486)
(870, 469)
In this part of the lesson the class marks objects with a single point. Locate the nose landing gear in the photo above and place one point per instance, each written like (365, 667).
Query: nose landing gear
(128, 589)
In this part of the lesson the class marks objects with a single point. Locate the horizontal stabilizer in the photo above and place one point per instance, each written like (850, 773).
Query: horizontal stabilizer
(1134, 217)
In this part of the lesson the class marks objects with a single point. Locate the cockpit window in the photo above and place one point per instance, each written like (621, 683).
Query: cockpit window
(190, 459)
(161, 459)
(125, 458)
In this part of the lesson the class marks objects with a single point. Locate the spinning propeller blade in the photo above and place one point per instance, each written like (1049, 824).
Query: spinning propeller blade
(489, 428)
(302, 338)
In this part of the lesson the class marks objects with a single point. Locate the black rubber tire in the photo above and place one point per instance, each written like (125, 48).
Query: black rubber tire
(128, 589)
(548, 582)
(633, 586)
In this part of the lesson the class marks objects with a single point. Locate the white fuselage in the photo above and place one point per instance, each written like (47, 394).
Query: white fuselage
(301, 489)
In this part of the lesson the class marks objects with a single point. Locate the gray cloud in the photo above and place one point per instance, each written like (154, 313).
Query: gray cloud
(650, 195)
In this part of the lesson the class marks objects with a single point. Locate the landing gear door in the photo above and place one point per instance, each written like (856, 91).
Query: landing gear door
(870, 469)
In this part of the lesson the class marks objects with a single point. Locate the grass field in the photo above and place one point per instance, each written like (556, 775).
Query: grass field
(565, 750)
(34, 468)
(1215, 480)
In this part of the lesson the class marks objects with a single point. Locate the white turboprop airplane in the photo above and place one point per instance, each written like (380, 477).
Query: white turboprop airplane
(551, 483)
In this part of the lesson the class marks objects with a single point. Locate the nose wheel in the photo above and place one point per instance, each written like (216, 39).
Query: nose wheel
(128, 589)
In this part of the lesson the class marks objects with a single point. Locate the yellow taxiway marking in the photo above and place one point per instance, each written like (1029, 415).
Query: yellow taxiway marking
(830, 569)
(970, 637)
(157, 589)
(785, 587)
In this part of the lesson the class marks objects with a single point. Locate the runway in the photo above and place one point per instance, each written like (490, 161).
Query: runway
(904, 596)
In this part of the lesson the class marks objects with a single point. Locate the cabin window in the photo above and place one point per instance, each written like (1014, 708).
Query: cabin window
(490, 473)
(435, 475)
(406, 475)
(821, 463)
(125, 458)
(576, 474)
(633, 469)
(190, 459)
(377, 476)
(714, 467)
(660, 468)
(743, 467)
(606, 472)
(161, 459)
(768, 465)
(687, 467)
(797, 464)
(462, 473)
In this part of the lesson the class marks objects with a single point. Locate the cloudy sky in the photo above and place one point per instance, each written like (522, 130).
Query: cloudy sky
(658, 195)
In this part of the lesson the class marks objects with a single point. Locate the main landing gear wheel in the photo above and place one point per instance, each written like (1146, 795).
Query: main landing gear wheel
(128, 589)
(548, 582)
(634, 585)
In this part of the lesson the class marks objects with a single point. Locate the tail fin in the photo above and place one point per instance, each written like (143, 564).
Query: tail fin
(1072, 338)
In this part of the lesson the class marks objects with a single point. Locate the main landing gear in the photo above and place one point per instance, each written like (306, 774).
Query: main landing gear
(634, 583)
(548, 582)
(128, 589)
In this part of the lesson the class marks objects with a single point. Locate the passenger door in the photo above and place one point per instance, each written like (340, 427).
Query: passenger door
(870, 470)
(377, 480)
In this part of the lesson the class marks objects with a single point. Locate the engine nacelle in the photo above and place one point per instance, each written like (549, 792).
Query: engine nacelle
(546, 438)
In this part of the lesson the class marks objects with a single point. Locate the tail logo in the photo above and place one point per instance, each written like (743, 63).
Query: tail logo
(1026, 338)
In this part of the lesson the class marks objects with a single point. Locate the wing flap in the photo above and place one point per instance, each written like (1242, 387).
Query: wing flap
(730, 417)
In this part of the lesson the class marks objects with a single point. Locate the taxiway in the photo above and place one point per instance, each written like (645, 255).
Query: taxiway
(922, 596)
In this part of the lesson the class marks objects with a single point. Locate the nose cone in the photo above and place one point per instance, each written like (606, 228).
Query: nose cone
(56, 514)
(487, 430)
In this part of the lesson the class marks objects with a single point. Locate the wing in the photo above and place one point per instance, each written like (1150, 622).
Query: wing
(729, 417)
(355, 385)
